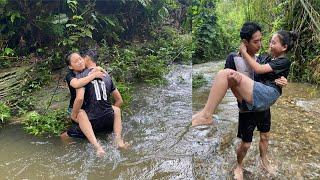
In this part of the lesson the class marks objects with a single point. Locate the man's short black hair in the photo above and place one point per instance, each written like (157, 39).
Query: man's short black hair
(248, 29)
(93, 54)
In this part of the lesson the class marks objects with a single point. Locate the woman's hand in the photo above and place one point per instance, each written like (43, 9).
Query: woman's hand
(101, 69)
(243, 48)
(282, 81)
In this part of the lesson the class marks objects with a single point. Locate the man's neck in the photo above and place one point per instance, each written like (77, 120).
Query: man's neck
(91, 65)
(252, 54)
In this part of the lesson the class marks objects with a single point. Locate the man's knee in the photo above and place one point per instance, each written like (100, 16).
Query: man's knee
(264, 137)
(245, 145)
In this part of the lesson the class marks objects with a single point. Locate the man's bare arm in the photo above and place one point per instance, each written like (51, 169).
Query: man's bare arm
(117, 97)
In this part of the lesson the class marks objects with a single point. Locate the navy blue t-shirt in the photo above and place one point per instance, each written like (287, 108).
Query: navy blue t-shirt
(97, 96)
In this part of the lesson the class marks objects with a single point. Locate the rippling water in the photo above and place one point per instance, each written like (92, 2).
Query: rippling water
(156, 129)
(164, 146)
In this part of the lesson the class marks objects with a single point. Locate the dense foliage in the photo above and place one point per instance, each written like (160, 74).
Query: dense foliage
(4, 112)
(52, 28)
(198, 80)
(136, 41)
(295, 15)
(53, 122)
(208, 36)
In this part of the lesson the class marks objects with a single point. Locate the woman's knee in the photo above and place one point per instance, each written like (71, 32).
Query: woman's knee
(227, 71)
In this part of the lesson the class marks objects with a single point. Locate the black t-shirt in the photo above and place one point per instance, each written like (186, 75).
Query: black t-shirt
(70, 75)
(230, 61)
(97, 96)
(280, 67)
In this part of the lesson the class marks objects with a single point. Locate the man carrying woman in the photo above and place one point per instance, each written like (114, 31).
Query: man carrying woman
(251, 116)
(91, 106)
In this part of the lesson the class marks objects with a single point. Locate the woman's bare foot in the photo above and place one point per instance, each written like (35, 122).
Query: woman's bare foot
(238, 173)
(100, 151)
(66, 139)
(201, 119)
(121, 144)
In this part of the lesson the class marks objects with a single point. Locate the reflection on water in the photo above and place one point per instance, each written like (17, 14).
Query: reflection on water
(294, 148)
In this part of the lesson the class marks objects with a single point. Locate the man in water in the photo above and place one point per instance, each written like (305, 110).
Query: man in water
(111, 114)
(251, 35)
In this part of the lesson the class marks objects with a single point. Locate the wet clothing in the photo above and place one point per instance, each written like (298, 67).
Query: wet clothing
(97, 95)
(236, 62)
(96, 104)
(103, 124)
(248, 121)
(70, 75)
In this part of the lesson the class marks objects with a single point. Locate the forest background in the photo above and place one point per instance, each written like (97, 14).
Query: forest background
(136, 41)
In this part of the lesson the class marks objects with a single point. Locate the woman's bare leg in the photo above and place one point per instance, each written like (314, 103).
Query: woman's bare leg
(117, 128)
(87, 130)
(218, 91)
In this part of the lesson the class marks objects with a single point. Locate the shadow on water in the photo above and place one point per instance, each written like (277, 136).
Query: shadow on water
(294, 148)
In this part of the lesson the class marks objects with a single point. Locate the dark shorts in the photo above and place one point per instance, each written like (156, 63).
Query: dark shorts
(103, 124)
(248, 121)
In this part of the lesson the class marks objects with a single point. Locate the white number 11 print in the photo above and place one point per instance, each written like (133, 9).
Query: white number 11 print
(97, 89)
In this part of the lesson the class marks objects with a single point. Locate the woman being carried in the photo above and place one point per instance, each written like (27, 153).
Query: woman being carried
(257, 96)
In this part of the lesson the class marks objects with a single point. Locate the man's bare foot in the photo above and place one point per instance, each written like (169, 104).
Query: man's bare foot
(238, 173)
(201, 119)
(100, 151)
(267, 167)
(121, 144)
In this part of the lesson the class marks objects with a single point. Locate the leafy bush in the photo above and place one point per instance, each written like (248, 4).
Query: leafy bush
(171, 46)
(4, 112)
(125, 90)
(151, 70)
(208, 36)
(183, 48)
(53, 122)
(21, 99)
(198, 80)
